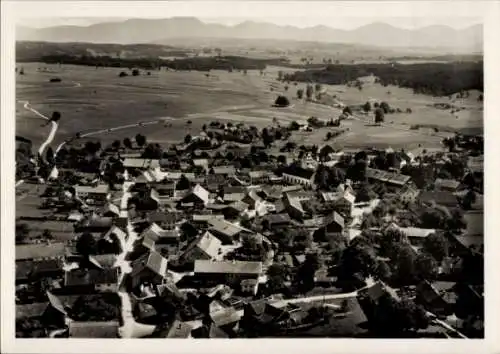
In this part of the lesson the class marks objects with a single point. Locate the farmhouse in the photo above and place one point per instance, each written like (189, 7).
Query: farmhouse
(226, 272)
(92, 195)
(298, 175)
(39, 252)
(93, 280)
(151, 267)
(207, 246)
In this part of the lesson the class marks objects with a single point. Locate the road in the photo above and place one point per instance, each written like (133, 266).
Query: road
(52, 133)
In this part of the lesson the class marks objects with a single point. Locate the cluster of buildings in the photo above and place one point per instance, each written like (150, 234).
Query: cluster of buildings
(178, 236)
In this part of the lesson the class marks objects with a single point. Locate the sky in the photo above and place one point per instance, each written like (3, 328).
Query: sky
(338, 14)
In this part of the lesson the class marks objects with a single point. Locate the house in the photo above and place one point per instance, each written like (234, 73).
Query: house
(293, 207)
(117, 232)
(38, 252)
(110, 210)
(235, 209)
(408, 194)
(166, 219)
(415, 235)
(207, 246)
(449, 185)
(333, 224)
(475, 223)
(273, 221)
(225, 231)
(165, 190)
(50, 313)
(234, 193)
(299, 175)
(140, 164)
(161, 236)
(92, 280)
(95, 223)
(226, 319)
(30, 270)
(214, 182)
(198, 197)
(389, 178)
(431, 299)
(94, 329)
(150, 267)
(226, 171)
(443, 198)
(92, 195)
(259, 177)
(226, 272)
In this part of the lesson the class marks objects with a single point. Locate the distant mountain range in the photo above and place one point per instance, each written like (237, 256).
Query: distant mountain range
(161, 31)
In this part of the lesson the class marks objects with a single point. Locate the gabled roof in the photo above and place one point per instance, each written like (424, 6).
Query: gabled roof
(152, 261)
(446, 183)
(385, 176)
(201, 193)
(141, 163)
(79, 277)
(208, 243)
(99, 189)
(225, 317)
(224, 170)
(336, 218)
(299, 172)
(224, 227)
(239, 206)
(439, 197)
(111, 208)
(277, 218)
(155, 233)
(228, 267)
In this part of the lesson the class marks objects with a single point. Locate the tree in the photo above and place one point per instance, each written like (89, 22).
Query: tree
(22, 232)
(367, 107)
(56, 116)
(365, 194)
(282, 101)
(425, 266)
(116, 144)
(135, 72)
(480, 98)
(188, 231)
(469, 199)
(328, 136)
(300, 93)
(86, 244)
(385, 107)
(187, 139)
(309, 91)
(98, 307)
(122, 74)
(47, 235)
(49, 155)
(379, 115)
(382, 271)
(305, 273)
(437, 246)
(347, 110)
(318, 87)
(183, 183)
(140, 140)
(277, 275)
(280, 75)
(404, 264)
(127, 143)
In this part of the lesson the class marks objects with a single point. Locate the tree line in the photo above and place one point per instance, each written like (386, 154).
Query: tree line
(195, 63)
(437, 79)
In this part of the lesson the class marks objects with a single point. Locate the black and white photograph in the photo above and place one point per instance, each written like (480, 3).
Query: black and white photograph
(225, 175)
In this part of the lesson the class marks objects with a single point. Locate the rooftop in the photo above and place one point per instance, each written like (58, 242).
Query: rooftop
(228, 267)
(93, 329)
(37, 251)
(99, 189)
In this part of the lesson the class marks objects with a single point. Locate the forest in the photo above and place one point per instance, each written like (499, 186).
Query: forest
(437, 79)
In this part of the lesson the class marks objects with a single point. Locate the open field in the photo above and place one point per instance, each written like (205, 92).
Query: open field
(90, 99)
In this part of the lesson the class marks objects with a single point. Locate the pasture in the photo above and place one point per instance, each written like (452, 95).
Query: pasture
(91, 99)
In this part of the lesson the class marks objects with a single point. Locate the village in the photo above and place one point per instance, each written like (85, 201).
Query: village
(238, 233)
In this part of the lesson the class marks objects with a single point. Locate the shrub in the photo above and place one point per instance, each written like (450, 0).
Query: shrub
(282, 101)
(123, 74)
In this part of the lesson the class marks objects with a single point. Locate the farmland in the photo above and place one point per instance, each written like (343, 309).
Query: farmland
(90, 99)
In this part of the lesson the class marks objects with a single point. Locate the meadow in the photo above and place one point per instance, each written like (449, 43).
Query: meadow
(91, 99)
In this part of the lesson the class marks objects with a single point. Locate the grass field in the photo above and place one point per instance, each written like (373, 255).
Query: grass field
(92, 99)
